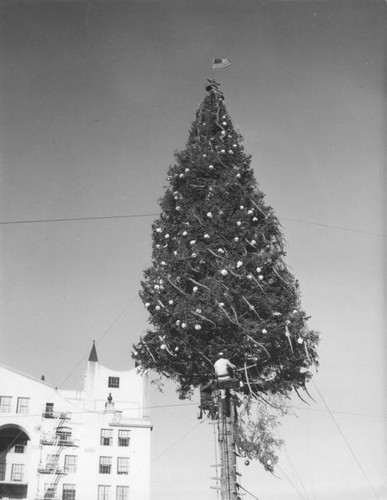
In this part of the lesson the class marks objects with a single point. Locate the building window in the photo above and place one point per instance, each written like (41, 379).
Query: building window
(49, 411)
(122, 465)
(23, 405)
(20, 447)
(17, 472)
(114, 382)
(103, 492)
(106, 437)
(105, 465)
(63, 435)
(70, 464)
(68, 492)
(2, 471)
(5, 404)
(122, 492)
(123, 437)
(49, 491)
(51, 462)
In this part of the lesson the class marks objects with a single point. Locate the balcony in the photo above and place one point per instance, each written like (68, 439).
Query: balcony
(57, 414)
(58, 442)
(51, 469)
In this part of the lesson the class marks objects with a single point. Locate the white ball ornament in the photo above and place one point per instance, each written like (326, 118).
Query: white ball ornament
(260, 277)
(242, 207)
(234, 145)
(178, 208)
(184, 233)
(249, 277)
(222, 150)
(184, 325)
(250, 212)
(239, 263)
(220, 250)
(255, 219)
(253, 242)
(192, 242)
(239, 223)
(158, 230)
(198, 327)
(178, 322)
(147, 304)
(209, 215)
(264, 330)
(176, 349)
(195, 288)
(221, 304)
(170, 302)
(198, 311)
(186, 170)
(163, 346)
(158, 308)
(259, 269)
(211, 167)
(193, 255)
(166, 236)
(238, 176)
(236, 238)
(204, 155)
(206, 236)
(181, 175)
(223, 272)
(300, 340)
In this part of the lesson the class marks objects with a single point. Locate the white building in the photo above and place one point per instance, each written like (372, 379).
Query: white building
(75, 445)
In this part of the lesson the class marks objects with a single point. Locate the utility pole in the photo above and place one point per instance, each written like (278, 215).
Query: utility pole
(227, 450)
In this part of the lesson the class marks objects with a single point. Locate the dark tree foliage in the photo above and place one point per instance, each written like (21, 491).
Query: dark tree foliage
(218, 279)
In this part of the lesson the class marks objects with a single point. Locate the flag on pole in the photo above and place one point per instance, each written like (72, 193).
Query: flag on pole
(220, 63)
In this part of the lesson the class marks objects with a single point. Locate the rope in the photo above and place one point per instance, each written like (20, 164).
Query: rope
(347, 443)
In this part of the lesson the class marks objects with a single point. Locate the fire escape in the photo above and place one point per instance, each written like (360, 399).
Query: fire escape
(54, 441)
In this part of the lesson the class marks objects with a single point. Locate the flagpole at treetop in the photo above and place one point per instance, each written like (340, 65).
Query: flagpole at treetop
(218, 64)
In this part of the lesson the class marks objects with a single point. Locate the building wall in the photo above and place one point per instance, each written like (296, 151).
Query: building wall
(72, 428)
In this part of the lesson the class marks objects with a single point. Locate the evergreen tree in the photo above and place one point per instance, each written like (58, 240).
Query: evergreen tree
(218, 280)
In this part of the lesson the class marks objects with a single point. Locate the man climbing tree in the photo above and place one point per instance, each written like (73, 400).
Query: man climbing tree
(218, 279)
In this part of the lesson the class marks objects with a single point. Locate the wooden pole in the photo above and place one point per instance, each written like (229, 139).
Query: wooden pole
(227, 451)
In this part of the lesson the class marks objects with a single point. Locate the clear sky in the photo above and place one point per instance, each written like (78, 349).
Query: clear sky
(94, 99)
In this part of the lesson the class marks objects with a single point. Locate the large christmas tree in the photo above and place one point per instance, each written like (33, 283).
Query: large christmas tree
(218, 280)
